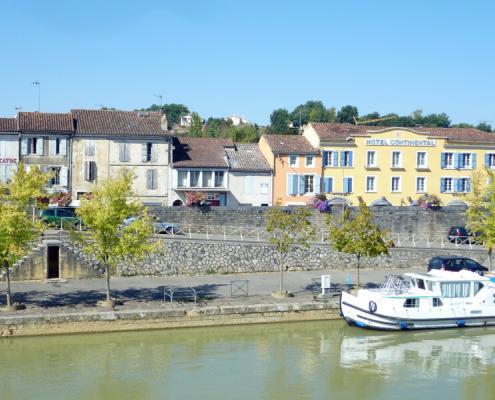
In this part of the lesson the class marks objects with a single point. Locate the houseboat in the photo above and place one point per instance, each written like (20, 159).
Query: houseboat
(436, 299)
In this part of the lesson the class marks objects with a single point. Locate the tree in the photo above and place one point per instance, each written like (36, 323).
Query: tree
(18, 229)
(288, 229)
(481, 212)
(196, 128)
(346, 114)
(483, 126)
(173, 111)
(242, 133)
(279, 121)
(103, 215)
(358, 236)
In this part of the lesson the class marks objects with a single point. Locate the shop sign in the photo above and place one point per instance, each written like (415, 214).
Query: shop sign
(8, 160)
(401, 142)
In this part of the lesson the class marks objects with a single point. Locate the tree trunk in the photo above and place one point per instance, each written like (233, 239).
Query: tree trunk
(358, 260)
(107, 273)
(281, 273)
(7, 283)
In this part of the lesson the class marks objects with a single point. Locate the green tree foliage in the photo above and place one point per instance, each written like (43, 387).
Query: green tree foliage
(347, 114)
(358, 236)
(483, 126)
(173, 111)
(312, 111)
(481, 212)
(18, 228)
(279, 121)
(219, 128)
(196, 128)
(103, 214)
(288, 229)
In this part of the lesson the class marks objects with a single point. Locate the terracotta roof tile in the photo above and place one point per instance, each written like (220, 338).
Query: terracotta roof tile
(331, 131)
(192, 152)
(41, 122)
(119, 123)
(290, 144)
(8, 125)
(247, 157)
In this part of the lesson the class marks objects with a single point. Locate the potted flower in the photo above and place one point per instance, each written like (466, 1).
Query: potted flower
(429, 202)
(319, 202)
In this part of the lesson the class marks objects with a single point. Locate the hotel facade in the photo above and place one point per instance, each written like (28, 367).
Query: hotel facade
(396, 166)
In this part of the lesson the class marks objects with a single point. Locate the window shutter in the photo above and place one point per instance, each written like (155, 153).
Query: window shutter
(473, 160)
(350, 159)
(328, 185)
(53, 147)
(455, 184)
(335, 158)
(325, 155)
(346, 185)
(64, 176)
(149, 179)
(154, 152)
(86, 170)
(63, 147)
(121, 152)
(144, 152)
(442, 185)
(290, 184)
(468, 184)
(92, 170)
(443, 160)
(317, 188)
(301, 184)
(222, 200)
(487, 159)
(24, 146)
(40, 149)
(342, 158)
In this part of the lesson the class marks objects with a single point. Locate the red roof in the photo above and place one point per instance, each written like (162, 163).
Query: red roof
(38, 122)
(8, 125)
(290, 144)
(330, 131)
(200, 152)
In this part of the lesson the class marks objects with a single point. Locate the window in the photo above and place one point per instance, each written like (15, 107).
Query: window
(264, 188)
(328, 184)
(446, 185)
(371, 159)
(437, 302)
(181, 178)
(124, 152)
(420, 184)
(58, 147)
(55, 179)
(477, 287)
(463, 185)
(455, 289)
(89, 171)
(396, 184)
(421, 159)
(447, 160)
(194, 178)
(151, 179)
(310, 161)
(330, 158)
(346, 158)
(465, 160)
(396, 159)
(309, 183)
(207, 179)
(89, 148)
(148, 152)
(219, 178)
(347, 185)
(490, 160)
(370, 184)
(411, 303)
(293, 160)
(32, 146)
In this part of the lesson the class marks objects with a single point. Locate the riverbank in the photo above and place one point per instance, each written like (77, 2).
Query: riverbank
(164, 317)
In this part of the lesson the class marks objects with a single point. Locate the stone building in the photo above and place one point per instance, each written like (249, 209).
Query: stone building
(104, 141)
(9, 148)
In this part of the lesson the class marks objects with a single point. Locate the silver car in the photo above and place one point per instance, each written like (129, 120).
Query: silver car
(158, 226)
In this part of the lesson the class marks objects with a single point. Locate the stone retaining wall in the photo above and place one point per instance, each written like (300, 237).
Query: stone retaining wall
(186, 256)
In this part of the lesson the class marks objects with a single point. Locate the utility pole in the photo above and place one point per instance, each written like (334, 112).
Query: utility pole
(37, 83)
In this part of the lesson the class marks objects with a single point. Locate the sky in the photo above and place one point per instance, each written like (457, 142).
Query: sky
(250, 57)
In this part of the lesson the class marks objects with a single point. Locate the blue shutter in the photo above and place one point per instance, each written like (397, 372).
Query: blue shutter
(468, 184)
(473, 160)
(443, 160)
(291, 186)
(324, 155)
(223, 199)
(342, 158)
(442, 185)
(347, 185)
(301, 184)
(350, 159)
(455, 184)
(328, 185)
(335, 158)
(487, 159)
(457, 160)
(317, 184)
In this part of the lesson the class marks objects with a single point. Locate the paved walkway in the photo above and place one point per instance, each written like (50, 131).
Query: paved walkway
(139, 292)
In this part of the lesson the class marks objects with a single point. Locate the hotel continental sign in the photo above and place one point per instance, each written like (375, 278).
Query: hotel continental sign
(396, 166)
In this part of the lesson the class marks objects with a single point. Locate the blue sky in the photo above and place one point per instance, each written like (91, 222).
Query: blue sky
(250, 57)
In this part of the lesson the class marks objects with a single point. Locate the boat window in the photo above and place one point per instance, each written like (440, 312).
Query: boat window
(421, 284)
(411, 303)
(429, 285)
(455, 289)
(437, 302)
(477, 287)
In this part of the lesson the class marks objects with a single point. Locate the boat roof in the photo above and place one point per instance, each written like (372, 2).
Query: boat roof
(438, 275)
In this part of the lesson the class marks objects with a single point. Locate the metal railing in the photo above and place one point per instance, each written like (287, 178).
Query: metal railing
(185, 293)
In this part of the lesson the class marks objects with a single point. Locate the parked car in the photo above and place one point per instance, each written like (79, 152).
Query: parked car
(55, 215)
(459, 234)
(158, 226)
(456, 263)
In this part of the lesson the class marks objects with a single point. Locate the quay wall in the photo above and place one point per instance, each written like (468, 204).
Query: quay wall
(406, 220)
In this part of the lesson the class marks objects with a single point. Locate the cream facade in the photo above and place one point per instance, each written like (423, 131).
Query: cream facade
(398, 165)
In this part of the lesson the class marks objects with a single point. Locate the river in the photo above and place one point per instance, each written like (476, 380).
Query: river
(323, 360)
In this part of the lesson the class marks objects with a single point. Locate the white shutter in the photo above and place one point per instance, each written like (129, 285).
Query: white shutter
(64, 176)
(86, 170)
(24, 146)
(40, 150)
(53, 147)
(154, 152)
(63, 147)
(144, 152)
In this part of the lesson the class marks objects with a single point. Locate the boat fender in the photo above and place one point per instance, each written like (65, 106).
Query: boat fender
(372, 306)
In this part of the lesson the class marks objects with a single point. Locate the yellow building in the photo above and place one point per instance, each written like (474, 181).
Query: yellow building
(396, 166)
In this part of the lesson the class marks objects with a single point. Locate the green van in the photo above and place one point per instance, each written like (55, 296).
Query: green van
(55, 215)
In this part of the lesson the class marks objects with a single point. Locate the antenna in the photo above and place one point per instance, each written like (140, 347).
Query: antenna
(101, 106)
(17, 109)
(37, 83)
(160, 96)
